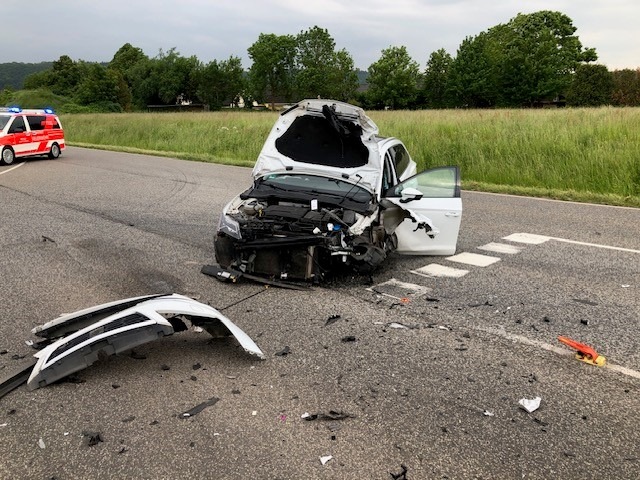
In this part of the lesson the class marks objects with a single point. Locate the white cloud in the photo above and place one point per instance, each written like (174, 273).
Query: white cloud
(94, 31)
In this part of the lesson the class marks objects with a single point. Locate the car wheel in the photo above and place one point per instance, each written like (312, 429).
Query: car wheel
(8, 156)
(55, 151)
(224, 250)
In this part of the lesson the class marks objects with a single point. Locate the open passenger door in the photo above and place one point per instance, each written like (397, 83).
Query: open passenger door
(427, 210)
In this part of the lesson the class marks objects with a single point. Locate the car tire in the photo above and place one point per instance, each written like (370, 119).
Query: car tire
(55, 151)
(224, 250)
(8, 156)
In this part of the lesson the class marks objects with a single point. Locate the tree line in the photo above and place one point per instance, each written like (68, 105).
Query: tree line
(533, 60)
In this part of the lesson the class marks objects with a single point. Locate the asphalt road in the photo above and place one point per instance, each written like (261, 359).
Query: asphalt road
(440, 397)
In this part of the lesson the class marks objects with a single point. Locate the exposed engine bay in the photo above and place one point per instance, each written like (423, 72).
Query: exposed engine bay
(291, 240)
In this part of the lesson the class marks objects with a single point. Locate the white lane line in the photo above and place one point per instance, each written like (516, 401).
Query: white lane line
(474, 259)
(501, 248)
(534, 239)
(407, 289)
(552, 348)
(606, 247)
(12, 168)
(436, 270)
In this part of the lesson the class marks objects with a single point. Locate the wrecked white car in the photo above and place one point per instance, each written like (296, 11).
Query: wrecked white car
(329, 191)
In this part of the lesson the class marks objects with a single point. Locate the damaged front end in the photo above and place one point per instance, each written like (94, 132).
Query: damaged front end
(303, 236)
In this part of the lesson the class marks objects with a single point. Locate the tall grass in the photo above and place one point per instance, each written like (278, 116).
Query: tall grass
(583, 154)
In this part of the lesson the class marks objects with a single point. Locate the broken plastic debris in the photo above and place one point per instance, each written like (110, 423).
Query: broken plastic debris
(331, 416)
(332, 319)
(530, 405)
(41, 443)
(584, 352)
(487, 413)
(284, 352)
(397, 325)
(92, 438)
(254, 413)
(3, 424)
(198, 408)
(400, 476)
(198, 329)
(325, 459)
(625, 286)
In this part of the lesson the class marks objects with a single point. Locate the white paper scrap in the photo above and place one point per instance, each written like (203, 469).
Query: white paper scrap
(324, 460)
(530, 405)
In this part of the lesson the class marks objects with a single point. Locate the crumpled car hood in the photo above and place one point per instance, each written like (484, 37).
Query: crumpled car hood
(115, 327)
(272, 159)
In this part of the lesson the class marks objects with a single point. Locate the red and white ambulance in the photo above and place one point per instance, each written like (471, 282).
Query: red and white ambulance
(25, 133)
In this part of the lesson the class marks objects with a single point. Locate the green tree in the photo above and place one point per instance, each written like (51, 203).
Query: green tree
(66, 75)
(393, 79)
(592, 86)
(98, 87)
(472, 80)
(436, 78)
(126, 57)
(626, 87)
(272, 73)
(538, 53)
(221, 82)
(321, 71)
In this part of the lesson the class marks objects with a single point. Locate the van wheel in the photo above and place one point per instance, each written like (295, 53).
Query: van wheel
(8, 156)
(55, 151)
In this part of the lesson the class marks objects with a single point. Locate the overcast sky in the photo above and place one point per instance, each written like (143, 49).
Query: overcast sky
(43, 30)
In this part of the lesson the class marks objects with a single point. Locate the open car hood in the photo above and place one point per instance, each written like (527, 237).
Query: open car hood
(115, 327)
(326, 137)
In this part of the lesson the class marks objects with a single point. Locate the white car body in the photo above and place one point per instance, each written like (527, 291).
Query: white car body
(328, 190)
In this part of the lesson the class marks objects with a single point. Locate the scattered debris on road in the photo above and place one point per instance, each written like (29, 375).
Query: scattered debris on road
(79, 339)
(332, 319)
(584, 352)
(198, 408)
(284, 352)
(530, 405)
(92, 439)
(325, 459)
(400, 476)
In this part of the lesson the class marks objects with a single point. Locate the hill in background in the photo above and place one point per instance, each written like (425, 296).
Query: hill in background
(12, 74)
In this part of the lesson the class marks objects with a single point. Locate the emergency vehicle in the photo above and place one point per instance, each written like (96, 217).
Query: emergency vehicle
(25, 133)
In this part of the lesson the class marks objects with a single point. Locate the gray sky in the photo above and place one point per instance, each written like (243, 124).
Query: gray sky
(43, 30)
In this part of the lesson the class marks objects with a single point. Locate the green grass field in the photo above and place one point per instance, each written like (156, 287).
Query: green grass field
(570, 154)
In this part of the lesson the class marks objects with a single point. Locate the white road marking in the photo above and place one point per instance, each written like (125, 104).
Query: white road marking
(408, 288)
(436, 270)
(534, 239)
(474, 259)
(528, 238)
(12, 168)
(501, 248)
(552, 348)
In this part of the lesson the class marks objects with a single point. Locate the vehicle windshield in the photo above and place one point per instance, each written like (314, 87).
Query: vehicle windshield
(296, 186)
(4, 119)
(317, 185)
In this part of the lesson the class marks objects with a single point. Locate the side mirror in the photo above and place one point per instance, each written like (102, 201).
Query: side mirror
(410, 194)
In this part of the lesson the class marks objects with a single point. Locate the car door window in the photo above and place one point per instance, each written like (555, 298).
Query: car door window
(441, 182)
(401, 158)
(388, 174)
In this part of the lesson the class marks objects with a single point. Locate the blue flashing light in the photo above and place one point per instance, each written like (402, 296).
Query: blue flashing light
(336, 228)
(15, 109)
(48, 110)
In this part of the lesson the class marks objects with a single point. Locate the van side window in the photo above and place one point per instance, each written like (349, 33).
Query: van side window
(36, 122)
(17, 125)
